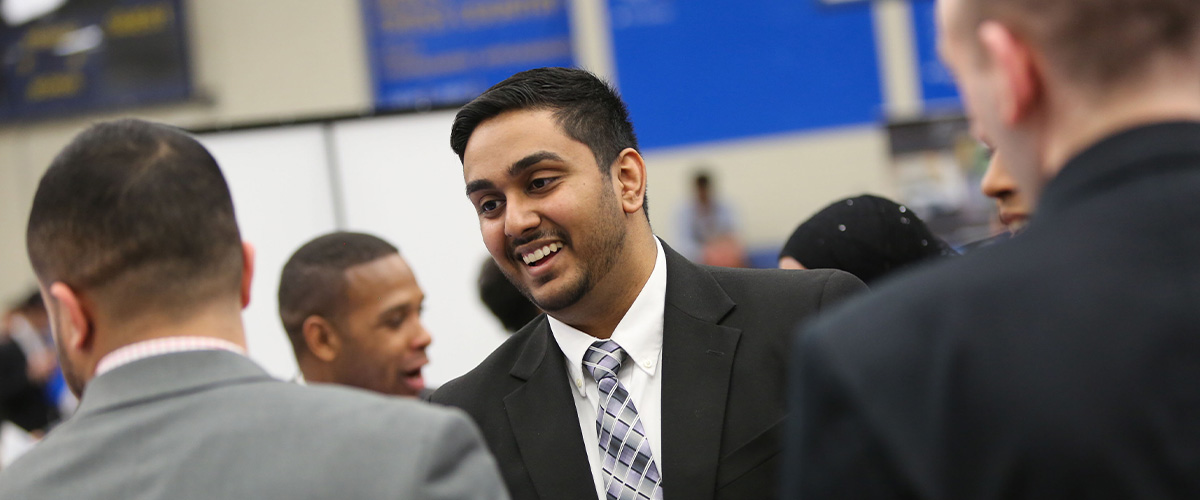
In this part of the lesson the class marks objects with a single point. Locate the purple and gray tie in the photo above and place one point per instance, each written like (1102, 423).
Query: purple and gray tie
(629, 468)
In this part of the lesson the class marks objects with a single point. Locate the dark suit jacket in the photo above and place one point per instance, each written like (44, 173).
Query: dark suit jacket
(212, 424)
(1064, 363)
(725, 338)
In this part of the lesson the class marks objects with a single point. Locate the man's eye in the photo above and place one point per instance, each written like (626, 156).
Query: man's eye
(541, 182)
(488, 206)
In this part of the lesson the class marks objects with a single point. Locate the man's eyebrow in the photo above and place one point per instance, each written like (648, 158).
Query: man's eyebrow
(514, 170)
(531, 160)
(479, 184)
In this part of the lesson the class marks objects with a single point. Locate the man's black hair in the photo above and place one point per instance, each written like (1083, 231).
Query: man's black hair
(138, 214)
(588, 110)
(313, 281)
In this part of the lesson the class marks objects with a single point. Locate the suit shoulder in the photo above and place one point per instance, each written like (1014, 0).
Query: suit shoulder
(493, 372)
(821, 288)
(371, 413)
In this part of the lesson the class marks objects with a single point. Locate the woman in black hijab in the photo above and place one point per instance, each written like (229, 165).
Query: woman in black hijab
(867, 236)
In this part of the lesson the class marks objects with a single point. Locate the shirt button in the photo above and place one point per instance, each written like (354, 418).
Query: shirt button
(648, 364)
(578, 382)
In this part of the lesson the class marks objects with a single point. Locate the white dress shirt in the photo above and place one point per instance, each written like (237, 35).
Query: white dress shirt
(640, 335)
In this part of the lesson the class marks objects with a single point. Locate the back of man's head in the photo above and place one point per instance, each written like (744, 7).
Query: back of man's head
(137, 217)
(1098, 43)
(313, 281)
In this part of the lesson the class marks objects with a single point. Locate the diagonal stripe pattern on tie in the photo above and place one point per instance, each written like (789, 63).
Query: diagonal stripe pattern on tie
(629, 468)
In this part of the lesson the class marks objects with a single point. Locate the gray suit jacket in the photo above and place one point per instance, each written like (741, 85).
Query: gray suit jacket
(213, 425)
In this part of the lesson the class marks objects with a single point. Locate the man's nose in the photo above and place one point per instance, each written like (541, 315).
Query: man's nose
(520, 216)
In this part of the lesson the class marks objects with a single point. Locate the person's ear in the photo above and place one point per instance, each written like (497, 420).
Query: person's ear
(322, 340)
(1020, 80)
(73, 318)
(247, 272)
(629, 179)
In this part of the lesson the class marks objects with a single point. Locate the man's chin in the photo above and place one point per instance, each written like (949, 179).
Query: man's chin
(558, 299)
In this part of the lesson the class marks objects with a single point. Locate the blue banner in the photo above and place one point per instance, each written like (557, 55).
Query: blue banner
(937, 84)
(427, 53)
(705, 70)
(94, 54)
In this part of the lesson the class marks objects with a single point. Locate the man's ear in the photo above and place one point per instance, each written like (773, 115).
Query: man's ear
(1017, 69)
(247, 272)
(629, 178)
(321, 338)
(74, 318)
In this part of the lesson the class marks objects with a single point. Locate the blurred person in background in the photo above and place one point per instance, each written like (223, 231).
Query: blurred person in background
(29, 326)
(506, 302)
(1012, 207)
(1013, 210)
(24, 372)
(352, 309)
(1062, 364)
(708, 228)
(867, 236)
(134, 242)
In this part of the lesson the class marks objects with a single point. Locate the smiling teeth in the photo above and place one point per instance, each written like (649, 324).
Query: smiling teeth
(541, 253)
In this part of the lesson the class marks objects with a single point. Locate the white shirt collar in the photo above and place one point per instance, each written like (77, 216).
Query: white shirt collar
(640, 332)
(166, 345)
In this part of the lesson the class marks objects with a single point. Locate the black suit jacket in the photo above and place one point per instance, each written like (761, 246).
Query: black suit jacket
(1064, 363)
(725, 338)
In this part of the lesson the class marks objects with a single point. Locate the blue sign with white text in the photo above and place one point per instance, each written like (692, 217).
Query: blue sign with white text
(428, 53)
(705, 70)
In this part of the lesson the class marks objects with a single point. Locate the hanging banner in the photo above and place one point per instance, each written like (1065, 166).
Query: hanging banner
(90, 55)
(426, 53)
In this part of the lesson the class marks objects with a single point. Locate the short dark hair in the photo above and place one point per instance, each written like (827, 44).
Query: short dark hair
(313, 281)
(1097, 42)
(139, 214)
(506, 302)
(588, 110)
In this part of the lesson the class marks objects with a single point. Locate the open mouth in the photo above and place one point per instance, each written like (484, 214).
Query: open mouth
(539, 256)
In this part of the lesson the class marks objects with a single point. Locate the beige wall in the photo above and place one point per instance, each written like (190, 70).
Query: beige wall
(267, 60)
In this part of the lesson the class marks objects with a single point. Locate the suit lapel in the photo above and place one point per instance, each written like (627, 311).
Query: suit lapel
(545, 423)
(697, 361)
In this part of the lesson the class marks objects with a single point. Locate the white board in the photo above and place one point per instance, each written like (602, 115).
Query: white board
(280, 182)
(401, 182)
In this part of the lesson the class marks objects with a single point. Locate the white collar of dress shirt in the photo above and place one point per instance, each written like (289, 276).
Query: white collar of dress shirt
(640, 332)
(166, 345)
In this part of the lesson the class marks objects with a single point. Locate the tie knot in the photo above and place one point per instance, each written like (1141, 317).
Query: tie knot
(603, 359)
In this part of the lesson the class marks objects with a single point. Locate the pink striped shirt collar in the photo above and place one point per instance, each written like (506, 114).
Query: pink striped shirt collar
(166, 345)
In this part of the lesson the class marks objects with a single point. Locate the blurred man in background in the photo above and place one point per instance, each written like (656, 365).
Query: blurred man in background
(707, 227)
(352, 309)
(1061, 364)
(1013, 208)
(134, 243)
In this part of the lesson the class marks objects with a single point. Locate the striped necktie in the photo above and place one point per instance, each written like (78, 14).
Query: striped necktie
(629, 469)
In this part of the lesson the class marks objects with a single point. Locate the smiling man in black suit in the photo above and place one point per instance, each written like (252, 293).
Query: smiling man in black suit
(684, 364)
